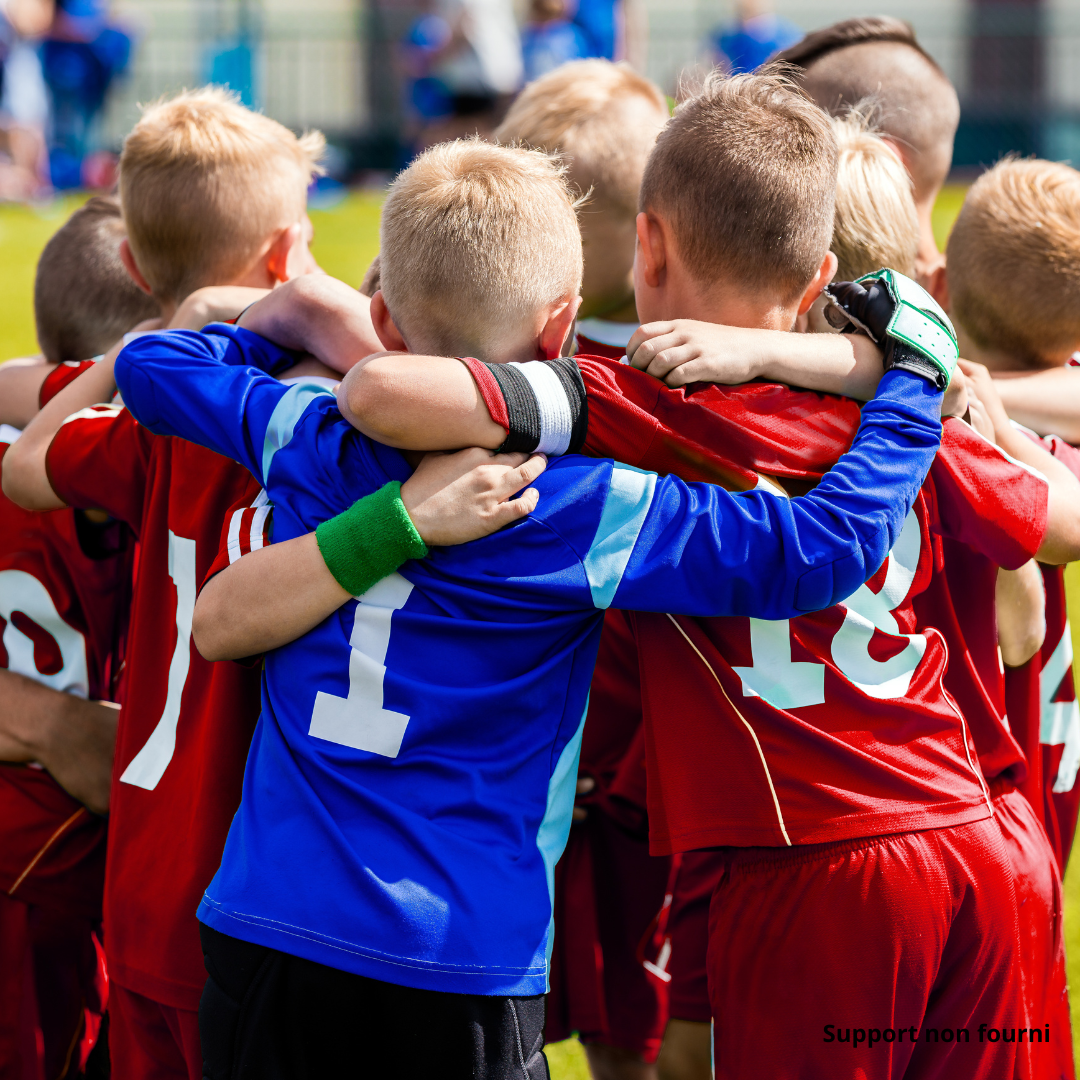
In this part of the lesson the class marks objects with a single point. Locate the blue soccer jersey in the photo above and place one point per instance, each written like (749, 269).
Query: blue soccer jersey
(411, 780)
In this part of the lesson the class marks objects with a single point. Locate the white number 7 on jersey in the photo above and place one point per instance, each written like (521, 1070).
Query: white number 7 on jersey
(148, 766)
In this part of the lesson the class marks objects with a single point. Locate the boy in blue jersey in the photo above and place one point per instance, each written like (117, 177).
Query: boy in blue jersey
(387, 879)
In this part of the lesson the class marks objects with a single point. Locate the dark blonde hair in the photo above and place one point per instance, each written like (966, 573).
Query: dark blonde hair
(1014, 260)
(603, 117)
(475, 240)
(84, 299)
(204, 183)
(745, 172)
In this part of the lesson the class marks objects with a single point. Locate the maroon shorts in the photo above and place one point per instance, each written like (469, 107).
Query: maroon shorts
(688, 934)
(827, 959)
(608, 890)
(151, 1041)
(53, 991)
(1042, 949)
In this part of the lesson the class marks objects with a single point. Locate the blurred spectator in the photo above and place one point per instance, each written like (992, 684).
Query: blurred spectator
(82, 55)
(613, 29)
(23, 99)
(755, 36)
(550, 39)
(464, 61)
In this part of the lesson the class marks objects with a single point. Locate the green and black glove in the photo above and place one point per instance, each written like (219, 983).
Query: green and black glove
(901, 318)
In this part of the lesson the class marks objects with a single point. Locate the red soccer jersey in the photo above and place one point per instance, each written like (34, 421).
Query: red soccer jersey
(834, 725)
(598, 337)
(960, 603)
(186, 723)
(1043, 706)
(64, 593)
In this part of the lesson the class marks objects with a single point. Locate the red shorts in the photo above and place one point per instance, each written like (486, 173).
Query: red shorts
(608, 890)
(1042, 949)
(688, 934)
(53, 991)
(151, 1041)
(825, 959)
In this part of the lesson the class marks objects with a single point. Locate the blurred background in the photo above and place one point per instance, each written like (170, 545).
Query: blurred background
(384, 78)
(381, 77)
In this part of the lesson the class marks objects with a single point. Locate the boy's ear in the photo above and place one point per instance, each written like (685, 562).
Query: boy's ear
(384, 325)
(937, 285)
(133, 270)
(277, 258)
(825, 274)
(558, 327)
(651, 248)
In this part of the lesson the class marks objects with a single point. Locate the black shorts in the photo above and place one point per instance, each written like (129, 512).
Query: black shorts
(267, 1015)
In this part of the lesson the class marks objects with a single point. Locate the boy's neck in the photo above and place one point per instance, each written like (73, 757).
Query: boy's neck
(1003, 360)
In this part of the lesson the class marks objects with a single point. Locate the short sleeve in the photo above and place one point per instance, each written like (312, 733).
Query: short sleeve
(987, 499)
(61, 376)
(247, 528)
(99, 460)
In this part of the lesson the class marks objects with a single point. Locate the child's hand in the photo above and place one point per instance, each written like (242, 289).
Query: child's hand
(454, 498)
(215, 303)
(686, 351)
(984, 402)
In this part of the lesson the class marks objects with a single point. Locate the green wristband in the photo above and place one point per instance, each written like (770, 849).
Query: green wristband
(370, 540)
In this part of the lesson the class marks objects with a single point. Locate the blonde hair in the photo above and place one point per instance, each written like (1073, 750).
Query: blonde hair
(204, 183)
(475, 240)
(596, 114)
(745, 172)
(1014, 259)
(876, 222)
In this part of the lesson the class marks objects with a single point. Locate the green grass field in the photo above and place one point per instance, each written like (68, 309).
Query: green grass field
(346, 240)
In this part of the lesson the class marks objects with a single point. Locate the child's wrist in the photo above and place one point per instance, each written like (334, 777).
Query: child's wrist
(370, 540)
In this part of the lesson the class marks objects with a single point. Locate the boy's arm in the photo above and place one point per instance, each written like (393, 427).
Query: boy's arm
(20, 386)
(686, 351)
(25, 477)
(1020, 602)
(319, 315)
(1061, 543)
(71, 738)
(663, 545)
(1048, 402)
(274, 595)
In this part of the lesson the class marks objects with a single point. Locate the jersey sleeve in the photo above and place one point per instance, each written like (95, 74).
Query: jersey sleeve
(716, 434)
(211, 389)
(248, 527)
(664, 545)
(987, 499)
(98, 460)
(62, 375)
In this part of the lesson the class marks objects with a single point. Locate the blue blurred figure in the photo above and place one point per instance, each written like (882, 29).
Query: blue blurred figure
(550, 39)
(755, 36)
(81, 56)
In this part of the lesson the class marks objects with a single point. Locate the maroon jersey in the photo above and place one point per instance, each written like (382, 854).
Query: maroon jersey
(64, 591)
(186, 723)
(836, 724)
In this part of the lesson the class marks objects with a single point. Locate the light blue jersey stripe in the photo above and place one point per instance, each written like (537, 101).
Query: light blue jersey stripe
(285, 417)
(627, 504)
(554, 829)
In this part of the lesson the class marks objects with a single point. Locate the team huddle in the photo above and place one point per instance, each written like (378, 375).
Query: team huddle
(637, 611)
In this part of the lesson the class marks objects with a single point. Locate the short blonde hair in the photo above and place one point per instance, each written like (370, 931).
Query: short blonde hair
(1014, 259)
(204, 183)
(476, 239)
(745, 172)
(596, 114)
(876, 222)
